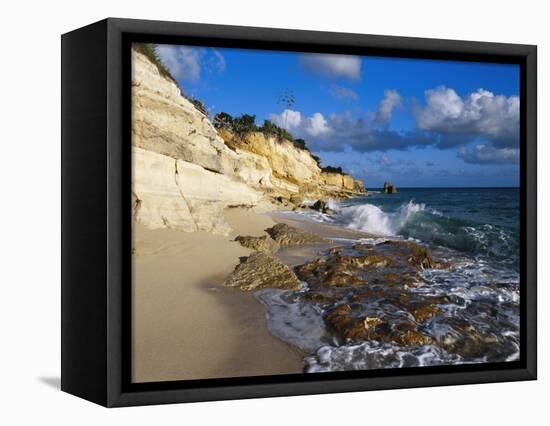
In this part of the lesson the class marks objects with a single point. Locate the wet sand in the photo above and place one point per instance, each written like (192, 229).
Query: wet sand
(186, 325)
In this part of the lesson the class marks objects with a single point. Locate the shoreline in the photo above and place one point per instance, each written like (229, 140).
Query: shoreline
(205, 330)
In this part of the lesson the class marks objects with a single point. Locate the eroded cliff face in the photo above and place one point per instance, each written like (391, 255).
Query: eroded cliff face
(185, 173)
(177, 194)
(293, 170)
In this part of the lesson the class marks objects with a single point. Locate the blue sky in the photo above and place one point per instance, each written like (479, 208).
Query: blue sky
(419, 123)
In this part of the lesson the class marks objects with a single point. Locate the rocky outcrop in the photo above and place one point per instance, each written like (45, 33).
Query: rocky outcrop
(389, 188)
(366, 292)
(347, 327)
(186, 173)
(261, 270)
(264, 244)
(321, 206)
(389, 263)
(286, 235)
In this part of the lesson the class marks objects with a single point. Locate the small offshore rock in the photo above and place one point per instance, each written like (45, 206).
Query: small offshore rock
(264, 244)
(289, 236)
(261, 270)
(389, 188)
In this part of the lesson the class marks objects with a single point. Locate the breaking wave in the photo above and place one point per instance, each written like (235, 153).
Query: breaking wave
(420, 222)
(372, 219)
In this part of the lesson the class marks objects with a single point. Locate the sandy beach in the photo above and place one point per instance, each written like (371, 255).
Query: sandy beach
(186, 325)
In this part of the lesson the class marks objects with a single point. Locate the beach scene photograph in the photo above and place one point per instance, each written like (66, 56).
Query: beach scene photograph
(299, 212)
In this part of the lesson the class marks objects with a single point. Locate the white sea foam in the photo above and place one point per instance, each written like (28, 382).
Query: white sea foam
(292, 320)
(372, 219)
(375, 355)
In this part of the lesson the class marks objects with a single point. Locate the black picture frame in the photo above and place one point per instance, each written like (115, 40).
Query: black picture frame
(96, 226)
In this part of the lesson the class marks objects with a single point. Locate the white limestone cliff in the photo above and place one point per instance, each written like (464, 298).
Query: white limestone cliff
(185, 172)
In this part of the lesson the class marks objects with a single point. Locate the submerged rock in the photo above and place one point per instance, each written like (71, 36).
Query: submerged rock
(261, 270)
(421, 311)
(264, 244)
(289, 236)
(348, 327)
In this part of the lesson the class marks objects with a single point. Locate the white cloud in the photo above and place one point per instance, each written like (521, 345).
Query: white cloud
(344, 93)
(182, 61)
(218, 60)
(295, 121)
(337, 131)
(317, 125)
(480, 114)
(332, 65)
(391, 100)
(487, 154)
(188, 63)
(288, 119)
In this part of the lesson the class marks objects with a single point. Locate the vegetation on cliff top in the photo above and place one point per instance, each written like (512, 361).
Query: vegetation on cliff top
(246, 123)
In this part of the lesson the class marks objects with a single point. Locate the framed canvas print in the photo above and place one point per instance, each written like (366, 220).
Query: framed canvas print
(253, 212)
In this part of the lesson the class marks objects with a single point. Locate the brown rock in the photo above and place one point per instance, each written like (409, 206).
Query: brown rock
(424, 311)
(321, 206)
(342, 323)
(338, 270)
(264, 244)
(289, 236)
(261, 270)
(413, 338)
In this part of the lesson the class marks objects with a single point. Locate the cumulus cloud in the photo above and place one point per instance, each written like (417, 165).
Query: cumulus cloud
(344, 93)
(295, 122)
(331, 65)
(182, 61)
(481, 114)
(187, 63)
(391, 100)
(487, 154)
(317, 125)
(288, 119)
(336, 132)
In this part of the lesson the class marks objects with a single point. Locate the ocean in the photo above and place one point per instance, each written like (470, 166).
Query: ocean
(475, 300)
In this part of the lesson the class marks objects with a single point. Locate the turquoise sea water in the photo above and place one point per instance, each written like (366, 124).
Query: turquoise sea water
(476, 230)
(480, 222)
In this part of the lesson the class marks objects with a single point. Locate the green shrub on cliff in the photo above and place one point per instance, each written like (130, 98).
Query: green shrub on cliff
(244, 124)
(331, 169)
(317, 159)
(269, 128)
(223, 120)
